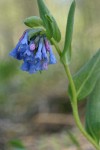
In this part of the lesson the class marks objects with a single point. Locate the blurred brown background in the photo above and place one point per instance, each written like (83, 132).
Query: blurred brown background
(31, 103)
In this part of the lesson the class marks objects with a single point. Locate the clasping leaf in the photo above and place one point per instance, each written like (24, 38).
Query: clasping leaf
(93, 113)
(66, 54)
(49, 21)
(85, 79)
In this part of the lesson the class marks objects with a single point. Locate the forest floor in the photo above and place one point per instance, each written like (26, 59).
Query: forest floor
(46, 137)
(63, 140)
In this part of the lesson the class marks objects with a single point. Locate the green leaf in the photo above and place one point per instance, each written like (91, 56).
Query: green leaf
(43, 11)
(34, 32)
(49, 18)
(93, 113)
(85, 79)
(55, 29)
(66, 54)
(17, 144)
(33, 21)
(49, 21)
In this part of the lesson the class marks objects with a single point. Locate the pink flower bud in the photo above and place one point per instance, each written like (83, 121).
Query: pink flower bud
(47, 45)
(32, 47)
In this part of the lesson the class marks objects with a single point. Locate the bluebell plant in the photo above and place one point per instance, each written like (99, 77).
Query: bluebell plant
(35, 50)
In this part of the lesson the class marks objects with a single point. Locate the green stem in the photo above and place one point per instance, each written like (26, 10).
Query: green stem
(75, 109)
(56, 46)
(74, 100)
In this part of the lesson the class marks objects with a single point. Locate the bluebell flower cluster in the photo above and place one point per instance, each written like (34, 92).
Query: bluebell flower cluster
(36, 54)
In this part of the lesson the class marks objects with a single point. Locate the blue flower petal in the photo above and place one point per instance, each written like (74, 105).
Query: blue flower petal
(32, 69)
(20, 48)
(30, 58)
(38, 56)
(38, 65)
(24, 39)
(52, 58)
(44, 53)
(39, 52)
(23, 48)
(44, 66)
(25, 66)
(27, 53)
(14, 52)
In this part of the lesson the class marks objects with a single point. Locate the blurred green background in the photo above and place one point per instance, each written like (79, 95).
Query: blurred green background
(23, 96)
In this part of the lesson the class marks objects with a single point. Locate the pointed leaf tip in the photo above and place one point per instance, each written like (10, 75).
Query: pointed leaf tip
(66, 55)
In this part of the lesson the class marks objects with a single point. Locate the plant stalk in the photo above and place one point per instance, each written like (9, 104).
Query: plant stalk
(75, 109)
